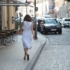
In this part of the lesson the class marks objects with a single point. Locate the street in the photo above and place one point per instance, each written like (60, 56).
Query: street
(55, 54)
(59, 39)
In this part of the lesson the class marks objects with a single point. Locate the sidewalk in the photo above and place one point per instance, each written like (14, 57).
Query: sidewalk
(11, 57)
(54, 57)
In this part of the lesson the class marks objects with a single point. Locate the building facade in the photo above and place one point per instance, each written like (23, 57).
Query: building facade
(6, 15)
(42, 6)
(62, 9)
(51, 7)
(25, 10)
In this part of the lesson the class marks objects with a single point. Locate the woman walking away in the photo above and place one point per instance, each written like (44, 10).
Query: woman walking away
(27, 35)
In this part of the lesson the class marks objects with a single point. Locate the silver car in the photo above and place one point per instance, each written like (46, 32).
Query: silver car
(66, 22)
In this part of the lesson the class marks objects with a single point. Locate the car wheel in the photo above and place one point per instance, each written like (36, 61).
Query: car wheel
(41, 31)
(60, 32)
(44, 32)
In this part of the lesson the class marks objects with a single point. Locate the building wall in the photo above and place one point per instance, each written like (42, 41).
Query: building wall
(4, 17)
(42, 7)
(68, 9)
(22, 10)
(61, 8)
(51, 7)
(7, 23)
(11, 13)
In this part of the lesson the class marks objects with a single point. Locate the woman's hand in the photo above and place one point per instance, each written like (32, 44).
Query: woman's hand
(34, 37)
(19, 32)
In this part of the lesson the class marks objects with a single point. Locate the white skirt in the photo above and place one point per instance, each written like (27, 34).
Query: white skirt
(27, 39)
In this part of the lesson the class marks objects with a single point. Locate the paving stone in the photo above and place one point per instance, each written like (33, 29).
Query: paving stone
(11, 57)
(54, 57)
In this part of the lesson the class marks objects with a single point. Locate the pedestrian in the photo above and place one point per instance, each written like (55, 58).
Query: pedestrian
(27, 31)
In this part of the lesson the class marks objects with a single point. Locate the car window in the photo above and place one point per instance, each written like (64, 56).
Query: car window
(67, 19)
(59, 20)
(53, 21)
(43, 21)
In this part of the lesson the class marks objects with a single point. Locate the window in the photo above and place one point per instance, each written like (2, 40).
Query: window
(53, 21)
(67, 19)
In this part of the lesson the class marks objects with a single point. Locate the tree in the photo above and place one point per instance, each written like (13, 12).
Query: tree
(67, 0)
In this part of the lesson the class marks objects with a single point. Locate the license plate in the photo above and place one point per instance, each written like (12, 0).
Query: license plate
(53, 29)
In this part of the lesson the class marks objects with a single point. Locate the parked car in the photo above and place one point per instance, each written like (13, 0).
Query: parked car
(50, 25)
(66, 22)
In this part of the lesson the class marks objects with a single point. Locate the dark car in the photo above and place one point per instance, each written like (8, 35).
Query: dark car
(50, 25)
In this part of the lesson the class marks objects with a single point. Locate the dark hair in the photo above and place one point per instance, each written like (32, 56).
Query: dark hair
(27, 18)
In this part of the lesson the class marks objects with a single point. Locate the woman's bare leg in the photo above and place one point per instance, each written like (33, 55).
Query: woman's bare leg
(27, 54)
(24, 53)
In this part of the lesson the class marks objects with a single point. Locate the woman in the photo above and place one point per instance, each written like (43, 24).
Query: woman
(27, 34)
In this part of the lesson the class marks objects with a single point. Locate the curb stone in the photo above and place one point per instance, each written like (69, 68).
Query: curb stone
(32, 62)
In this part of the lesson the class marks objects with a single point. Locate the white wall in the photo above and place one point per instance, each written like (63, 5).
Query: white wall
(42, 8)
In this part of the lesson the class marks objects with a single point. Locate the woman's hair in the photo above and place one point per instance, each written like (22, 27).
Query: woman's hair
(27, 18)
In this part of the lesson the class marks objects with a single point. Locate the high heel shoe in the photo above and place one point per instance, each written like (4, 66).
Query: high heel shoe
(24, 58)
(27, 57)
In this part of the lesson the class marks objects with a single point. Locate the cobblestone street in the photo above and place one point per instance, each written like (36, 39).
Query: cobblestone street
(55, 54)
(54, 57)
